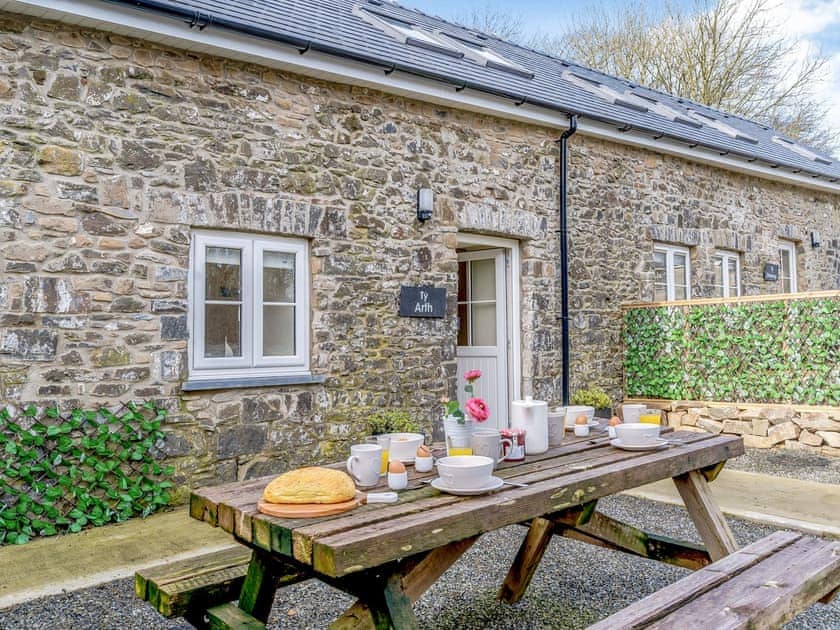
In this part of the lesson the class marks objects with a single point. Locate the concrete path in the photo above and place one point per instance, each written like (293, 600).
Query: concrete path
(48, 566)
(65, 563)
(785, 503)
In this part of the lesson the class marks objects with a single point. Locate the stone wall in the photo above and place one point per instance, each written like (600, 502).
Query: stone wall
(112, 150)
(815, 429)
(623, 199)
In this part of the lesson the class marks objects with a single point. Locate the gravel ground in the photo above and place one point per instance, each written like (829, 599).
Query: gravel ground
(575, 585)
(788, 463)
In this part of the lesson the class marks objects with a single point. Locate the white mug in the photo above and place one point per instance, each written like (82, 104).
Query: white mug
(364, 463)
(487, 442)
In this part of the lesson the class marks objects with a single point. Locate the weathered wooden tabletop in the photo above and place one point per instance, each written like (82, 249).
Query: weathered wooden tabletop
(575, 473)
(564, 485)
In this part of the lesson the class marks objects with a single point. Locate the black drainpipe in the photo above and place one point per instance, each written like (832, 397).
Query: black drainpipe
(564, 253)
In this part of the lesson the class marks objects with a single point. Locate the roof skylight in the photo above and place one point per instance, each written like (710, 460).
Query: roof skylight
(407, 33)
(714, 123)
(667, 112)
(486, 57)
(605, 92)
(800, 150)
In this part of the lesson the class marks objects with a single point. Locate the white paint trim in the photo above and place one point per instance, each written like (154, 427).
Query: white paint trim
(225, 43)
(788, 247)
(251, 362)
(704, 156)
(724, 256)
(670, 281)
(514, 300)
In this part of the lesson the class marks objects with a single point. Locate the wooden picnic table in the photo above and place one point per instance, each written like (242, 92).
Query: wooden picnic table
(387, 555)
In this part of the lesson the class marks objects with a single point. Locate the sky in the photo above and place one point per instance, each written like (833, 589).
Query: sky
(813, 24)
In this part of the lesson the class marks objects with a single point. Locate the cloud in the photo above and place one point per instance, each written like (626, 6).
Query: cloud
(806, 18)
(815, 26)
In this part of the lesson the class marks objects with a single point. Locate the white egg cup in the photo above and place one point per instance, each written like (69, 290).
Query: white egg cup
(424, 464)
(397, 481)
(581, 430)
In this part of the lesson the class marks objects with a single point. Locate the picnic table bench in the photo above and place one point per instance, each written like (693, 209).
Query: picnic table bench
(387, 555)
(761, 586)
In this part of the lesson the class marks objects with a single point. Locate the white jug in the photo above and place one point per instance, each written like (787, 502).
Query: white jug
(531, 415)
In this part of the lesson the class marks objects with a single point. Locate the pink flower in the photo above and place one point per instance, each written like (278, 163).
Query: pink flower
(472, 375)
(477, 409)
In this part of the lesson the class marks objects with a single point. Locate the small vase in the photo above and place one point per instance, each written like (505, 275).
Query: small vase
(458, 435)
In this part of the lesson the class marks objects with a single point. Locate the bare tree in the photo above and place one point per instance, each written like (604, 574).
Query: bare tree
(725, 54)
(493, 21)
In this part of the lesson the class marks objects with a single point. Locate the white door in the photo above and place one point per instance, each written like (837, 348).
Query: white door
(483, 330)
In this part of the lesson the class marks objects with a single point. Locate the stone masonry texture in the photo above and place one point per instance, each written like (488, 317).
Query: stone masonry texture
(112, 150)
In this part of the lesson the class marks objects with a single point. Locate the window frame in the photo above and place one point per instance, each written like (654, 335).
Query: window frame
(670, 284)
(252, 361)
(725, 255)
(790, 247)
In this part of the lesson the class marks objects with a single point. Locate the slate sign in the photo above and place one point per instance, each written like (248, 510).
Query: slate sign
(771, 271)
(422, 302)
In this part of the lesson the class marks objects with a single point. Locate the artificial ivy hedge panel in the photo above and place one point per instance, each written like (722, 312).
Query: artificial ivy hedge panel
(63, 472)
(774, 352)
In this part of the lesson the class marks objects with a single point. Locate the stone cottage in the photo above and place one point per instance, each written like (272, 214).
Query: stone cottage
(274, 220)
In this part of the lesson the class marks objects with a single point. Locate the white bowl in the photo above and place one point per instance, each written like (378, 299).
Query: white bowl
(637, 433)
(573, 412)
(404, 445)
(465, 472)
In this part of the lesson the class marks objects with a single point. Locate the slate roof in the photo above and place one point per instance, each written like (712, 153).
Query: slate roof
(332, 26)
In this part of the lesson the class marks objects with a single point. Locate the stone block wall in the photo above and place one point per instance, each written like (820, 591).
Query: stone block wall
(624, 199)
(112, 150)
(815, 429)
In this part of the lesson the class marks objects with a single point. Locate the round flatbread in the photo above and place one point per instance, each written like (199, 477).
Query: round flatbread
(310, 485)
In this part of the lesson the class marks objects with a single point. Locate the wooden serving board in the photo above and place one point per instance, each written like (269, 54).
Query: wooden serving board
(309, 510)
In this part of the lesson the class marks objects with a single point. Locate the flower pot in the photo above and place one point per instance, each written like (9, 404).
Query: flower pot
(458, 435)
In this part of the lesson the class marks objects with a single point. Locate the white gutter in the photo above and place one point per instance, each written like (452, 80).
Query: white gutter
(124, 20)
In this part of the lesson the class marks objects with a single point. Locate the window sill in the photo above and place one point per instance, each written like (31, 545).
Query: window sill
(254, 381)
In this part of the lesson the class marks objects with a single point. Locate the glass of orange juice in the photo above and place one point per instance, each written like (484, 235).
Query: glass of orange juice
(651, 416)
(458, 445)
(385, 442)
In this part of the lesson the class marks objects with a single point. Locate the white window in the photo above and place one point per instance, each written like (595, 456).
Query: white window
(727, 268)
(671, 273)
(787, 268)
(249, 305)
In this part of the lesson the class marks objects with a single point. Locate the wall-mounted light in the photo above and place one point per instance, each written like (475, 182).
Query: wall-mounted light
(425, 203)
(815, 239)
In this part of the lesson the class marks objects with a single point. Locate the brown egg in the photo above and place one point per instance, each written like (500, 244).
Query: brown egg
(423, 451)
(396, 466)
(582, 419)
(614, 421)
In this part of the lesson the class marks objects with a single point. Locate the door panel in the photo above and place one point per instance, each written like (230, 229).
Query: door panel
(483, 330)
(484, 387)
